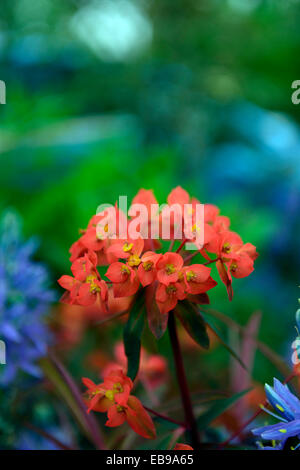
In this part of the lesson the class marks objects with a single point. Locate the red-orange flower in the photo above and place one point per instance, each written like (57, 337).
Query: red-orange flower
(168, 267)
(182, 447)
(92, 290)
(87, 287)
(152, 370)
(168, 276)
(90, 239)
(77, 249)
(84, 266)
(197, 278)
(72, 286)
(147, 269)
(124, 278)
(167, 296)
(127, 249)
(235, 258)
(113, 397)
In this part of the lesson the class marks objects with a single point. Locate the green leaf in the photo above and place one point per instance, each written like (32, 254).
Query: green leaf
(264, 348)
(132, 336)
(160, 444)
(157, 322)
(223, 342)
(217, 409)
(193, 322)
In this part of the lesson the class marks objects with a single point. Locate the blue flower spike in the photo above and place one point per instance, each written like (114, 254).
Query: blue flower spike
(287, 407)
(24, 301)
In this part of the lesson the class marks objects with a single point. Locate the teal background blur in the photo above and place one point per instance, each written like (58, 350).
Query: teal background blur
(105, 97)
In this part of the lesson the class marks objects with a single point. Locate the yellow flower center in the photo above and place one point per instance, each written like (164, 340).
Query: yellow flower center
(93, 286)
(170, 269)
(190, 276)
(171, 290)
(226, 247)
(117, 388)
(125, 269)
(101, 230)
(196, 228)
(134, 260)
(233, 267)
(110, 395)
(147, 265)
(127, 247)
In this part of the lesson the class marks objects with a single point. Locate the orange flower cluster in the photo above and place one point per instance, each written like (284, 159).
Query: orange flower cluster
(135, 263)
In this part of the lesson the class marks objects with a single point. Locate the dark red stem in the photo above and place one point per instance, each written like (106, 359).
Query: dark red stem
(181, 245)
(166, 418)
(182, 382)
(48, 436)
(211, 261)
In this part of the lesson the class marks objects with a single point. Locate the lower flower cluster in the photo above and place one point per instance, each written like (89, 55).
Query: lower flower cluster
(113, 397)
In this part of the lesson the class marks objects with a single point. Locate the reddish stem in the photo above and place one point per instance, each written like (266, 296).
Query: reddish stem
(48, 436)
(171, 245)
(189, 257)
(182, 382)
(181, 245)
(241, 429)
(211, 261)
(166, 418)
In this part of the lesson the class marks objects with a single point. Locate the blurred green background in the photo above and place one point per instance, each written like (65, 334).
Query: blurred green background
(107, 96)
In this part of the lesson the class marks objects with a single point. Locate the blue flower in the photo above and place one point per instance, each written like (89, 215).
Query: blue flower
(287, 407)
(24, 301)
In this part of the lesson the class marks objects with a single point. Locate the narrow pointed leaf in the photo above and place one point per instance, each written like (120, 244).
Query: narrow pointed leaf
(223, 342)
(66, 388)
(193, 323)
(132, 337)
(157, 322)
(217, 409)
(273, 356)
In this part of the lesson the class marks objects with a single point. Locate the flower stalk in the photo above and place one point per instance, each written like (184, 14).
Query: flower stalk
(183, 385)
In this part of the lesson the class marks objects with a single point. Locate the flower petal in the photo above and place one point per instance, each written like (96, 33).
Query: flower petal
(138, 419)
